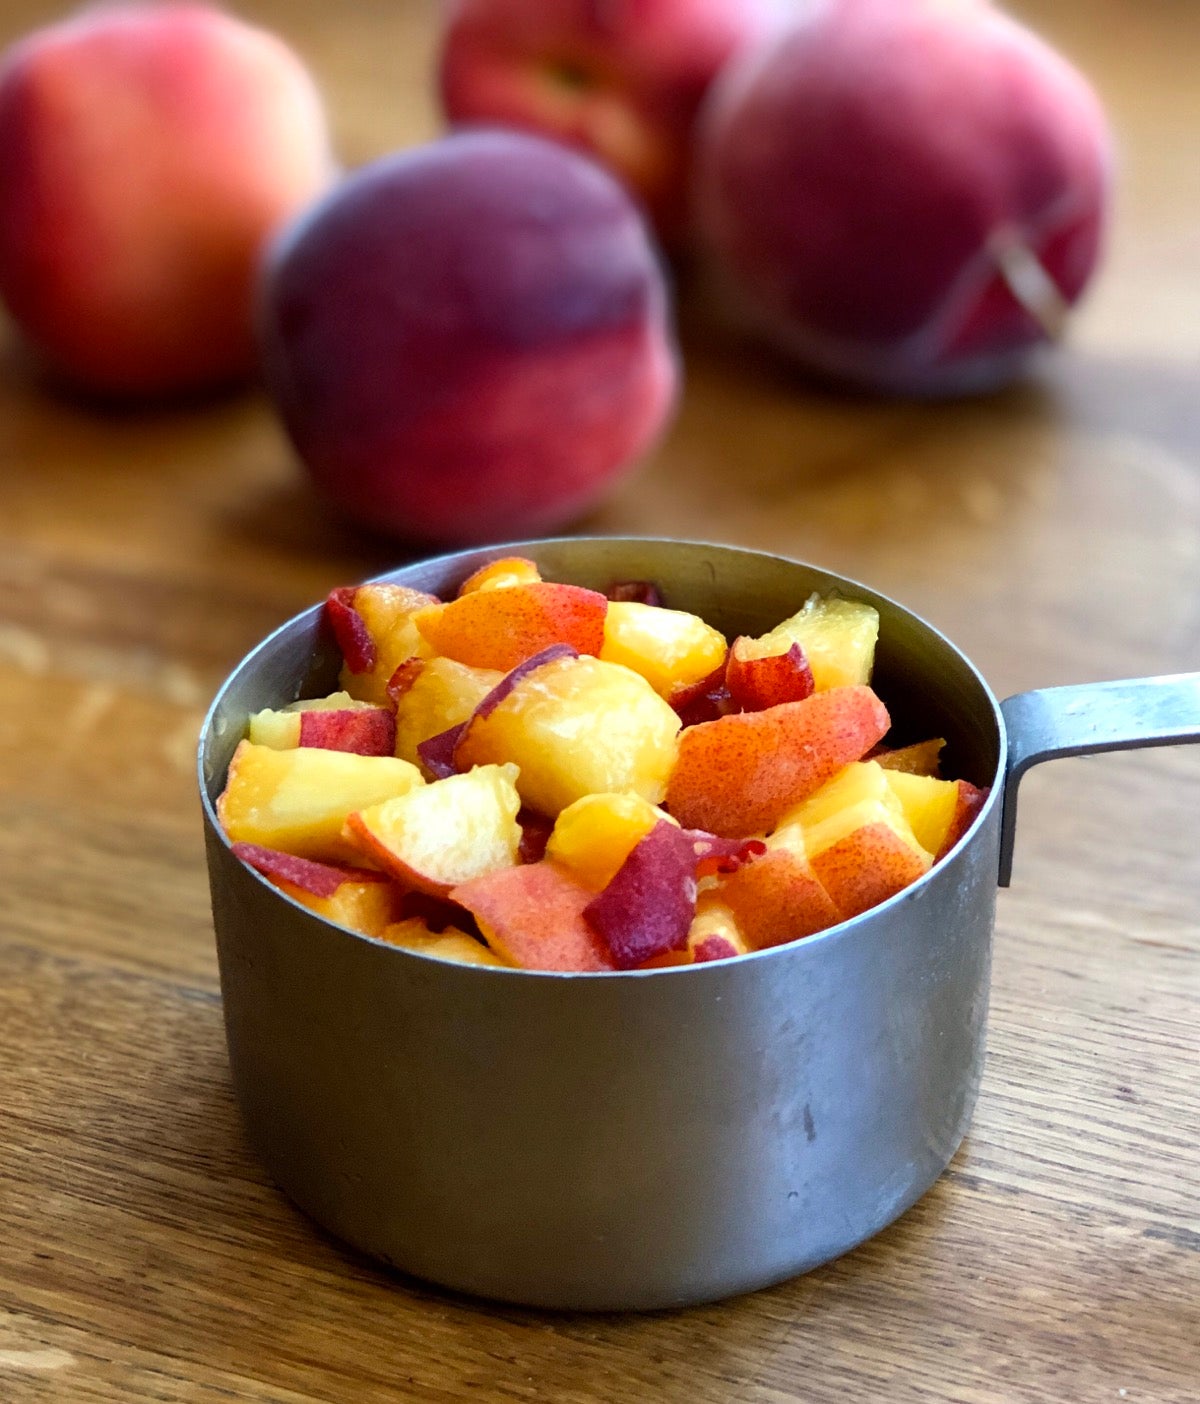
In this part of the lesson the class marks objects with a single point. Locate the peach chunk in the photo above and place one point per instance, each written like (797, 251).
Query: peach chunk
(929, 805)
(755, 683)
(575, 727)
(737, 775)
(437, 836)
(501, 628)
(715, 933)
(969, 803)
(593, 837)
(298, 800)
(437, 694)
(532, 916)
(499, 575)
(280, 727)
(921, 758)
(413, 934)
(778, 898)
(859, 843)
(668, 647)
(355, 897)
(388, 613)
(836, 636)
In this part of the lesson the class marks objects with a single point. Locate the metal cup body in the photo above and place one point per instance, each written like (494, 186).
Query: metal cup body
(628, 1141)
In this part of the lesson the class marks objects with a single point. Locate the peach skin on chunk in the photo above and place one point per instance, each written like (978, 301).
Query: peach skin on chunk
(438, 694)
(437, 836)
(592, 837)
(871, 863)
(412, 934)
(358, 898)
(280, 727)
(532, 916)
(670, 648)
(736, 776)
(836, 636)
(970, 800)
(858, 840)
(501, 628)
(715, 933)
(362, 904)
(298, 800)
(575, 727)
(778, 898)
(388, 612)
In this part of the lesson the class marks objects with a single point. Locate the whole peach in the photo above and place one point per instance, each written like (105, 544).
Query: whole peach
(905, 194)
(470, 339)
(146, 152)
(621, 80)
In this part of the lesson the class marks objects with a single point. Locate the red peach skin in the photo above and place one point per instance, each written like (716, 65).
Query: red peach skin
(866, 867)
(148, 152)
(904, 194)
(532, 916)
(736, 776)
(777, 898)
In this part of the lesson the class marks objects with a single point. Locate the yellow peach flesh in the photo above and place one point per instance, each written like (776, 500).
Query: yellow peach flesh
(668, 647)
(575, 727)
(838, 638)
(298, 800)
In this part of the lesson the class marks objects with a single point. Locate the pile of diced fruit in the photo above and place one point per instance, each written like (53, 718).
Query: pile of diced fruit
(539, 775)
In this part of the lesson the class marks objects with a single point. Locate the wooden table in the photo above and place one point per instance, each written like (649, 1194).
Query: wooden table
(1053, 530)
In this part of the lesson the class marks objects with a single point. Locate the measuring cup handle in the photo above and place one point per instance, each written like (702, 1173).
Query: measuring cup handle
(1081, 720)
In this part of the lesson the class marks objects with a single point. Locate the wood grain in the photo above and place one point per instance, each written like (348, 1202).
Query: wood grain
(1053, 530)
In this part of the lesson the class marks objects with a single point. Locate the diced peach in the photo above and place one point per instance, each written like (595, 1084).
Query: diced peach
(280, 727)
(501, 628)
(852, 784)
(778, 898)
(670, 648)
(593, 837)
(359, 898)
(713, 935)
(388, 612)
(738, 775)
(298, 800)
(921, 758)
(755, 683)
(532, 916)
(929, 805)
(365, 905)
(499, 575)
(412, 934)
(437, 836)
(715, 921)
(648, 906)
(440, 694)
(362, 728)
(869, 864)
(859, 843)
(969, 802)
(575, 727)
(837, 637)
(275, 728)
